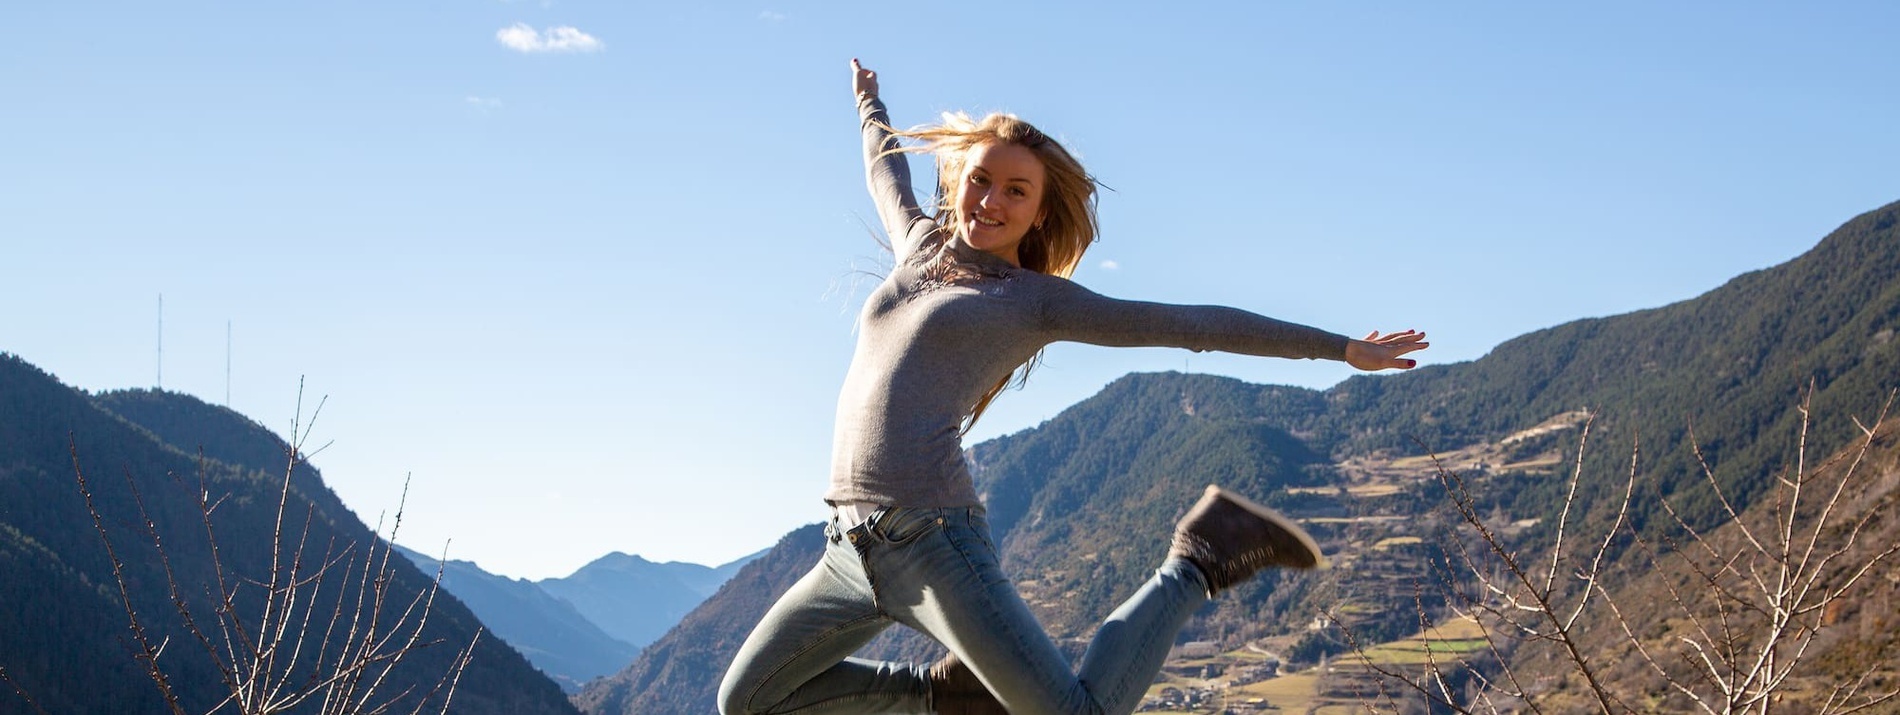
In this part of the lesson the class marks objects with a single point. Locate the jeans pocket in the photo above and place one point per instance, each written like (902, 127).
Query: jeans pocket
(899, 525)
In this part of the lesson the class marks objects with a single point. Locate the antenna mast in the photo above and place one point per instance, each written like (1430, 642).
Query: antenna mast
(161, 341)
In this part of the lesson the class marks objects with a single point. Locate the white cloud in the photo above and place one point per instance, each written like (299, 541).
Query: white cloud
(1109, 265)
(770, 16)
(523, 38)
(483, 103)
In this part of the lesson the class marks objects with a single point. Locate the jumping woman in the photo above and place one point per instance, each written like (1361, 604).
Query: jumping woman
(978, 288)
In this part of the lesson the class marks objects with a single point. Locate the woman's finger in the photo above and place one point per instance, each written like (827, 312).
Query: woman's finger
(1406, 336)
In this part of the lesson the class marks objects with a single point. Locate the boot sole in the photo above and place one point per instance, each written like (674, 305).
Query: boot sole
(1276, 519)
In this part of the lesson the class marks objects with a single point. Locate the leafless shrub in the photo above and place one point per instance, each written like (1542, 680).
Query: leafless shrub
(1760, 592)
(1739, 623)
(322, 629)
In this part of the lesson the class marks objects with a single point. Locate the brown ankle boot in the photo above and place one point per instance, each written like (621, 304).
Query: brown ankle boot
(955, 690)
(1231, 538)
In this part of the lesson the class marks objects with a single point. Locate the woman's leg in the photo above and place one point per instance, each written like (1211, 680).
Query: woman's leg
(936, 570)
(1129, 648)
(795, 659)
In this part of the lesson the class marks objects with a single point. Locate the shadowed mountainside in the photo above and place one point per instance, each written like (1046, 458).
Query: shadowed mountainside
(63, 633)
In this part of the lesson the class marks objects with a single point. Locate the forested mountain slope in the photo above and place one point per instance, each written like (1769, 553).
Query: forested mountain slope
(1729, 364)
(64, 637)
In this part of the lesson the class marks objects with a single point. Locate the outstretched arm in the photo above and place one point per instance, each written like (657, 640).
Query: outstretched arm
(887, 172)
(1072, 312)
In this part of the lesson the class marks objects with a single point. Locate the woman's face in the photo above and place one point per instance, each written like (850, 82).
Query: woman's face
(1000, 197)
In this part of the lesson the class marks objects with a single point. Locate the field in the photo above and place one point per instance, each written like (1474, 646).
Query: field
(1305, 691)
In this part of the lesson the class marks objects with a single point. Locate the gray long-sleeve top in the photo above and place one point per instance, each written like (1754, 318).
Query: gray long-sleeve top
(951, 320)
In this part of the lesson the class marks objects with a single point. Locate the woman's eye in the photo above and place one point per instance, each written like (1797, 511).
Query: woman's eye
(1018, 193)
(978, 180)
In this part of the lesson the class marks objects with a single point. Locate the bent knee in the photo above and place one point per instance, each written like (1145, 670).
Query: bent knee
(737, 695)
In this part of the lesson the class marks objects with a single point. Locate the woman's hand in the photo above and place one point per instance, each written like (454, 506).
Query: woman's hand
(1380, 352)
(863, 81)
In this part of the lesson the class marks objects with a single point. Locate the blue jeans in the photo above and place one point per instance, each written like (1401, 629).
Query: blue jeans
(935, 570)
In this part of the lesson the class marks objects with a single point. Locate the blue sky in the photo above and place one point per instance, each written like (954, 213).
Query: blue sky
(587, 270)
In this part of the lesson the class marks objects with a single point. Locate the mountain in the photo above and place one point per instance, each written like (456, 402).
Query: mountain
(1082, 505)
(147, 457)
(1730, 364)
(553, 636)
(639, 598)
(636, 600)
(680, 672)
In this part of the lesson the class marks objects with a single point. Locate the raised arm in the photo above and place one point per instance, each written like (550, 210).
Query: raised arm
(887, 172)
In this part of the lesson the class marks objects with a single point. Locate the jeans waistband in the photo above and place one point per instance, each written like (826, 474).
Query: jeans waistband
(851, 514)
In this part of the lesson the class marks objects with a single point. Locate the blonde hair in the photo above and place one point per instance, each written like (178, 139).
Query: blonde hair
(1055, 244)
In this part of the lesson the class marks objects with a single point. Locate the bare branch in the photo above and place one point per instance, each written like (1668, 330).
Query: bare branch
(148, 653)
(1563, 517)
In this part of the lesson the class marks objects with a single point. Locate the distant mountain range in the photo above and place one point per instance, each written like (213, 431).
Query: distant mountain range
(64, 636)
(636, 600)
(591, 623)
(1083, 504)
(680, 672)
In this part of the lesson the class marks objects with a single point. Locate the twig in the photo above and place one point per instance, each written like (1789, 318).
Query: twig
(147, 652)
(21, 691)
